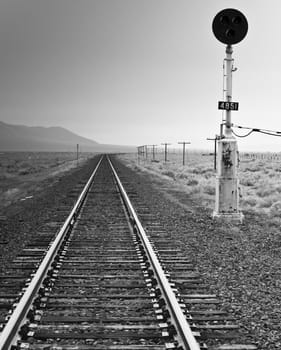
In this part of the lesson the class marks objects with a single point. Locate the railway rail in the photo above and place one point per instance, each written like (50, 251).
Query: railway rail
(110, 279)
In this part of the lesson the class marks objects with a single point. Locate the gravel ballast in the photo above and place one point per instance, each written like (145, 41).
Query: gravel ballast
(239, 262)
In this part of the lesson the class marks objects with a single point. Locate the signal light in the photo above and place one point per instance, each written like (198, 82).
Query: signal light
(230, 26)
(230, 33)
(224, 20)
(237, 20)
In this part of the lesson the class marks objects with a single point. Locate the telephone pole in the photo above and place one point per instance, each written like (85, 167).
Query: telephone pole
(183, 150)
(215, 151)
(139, 153)
(153, 151)
(166, 151)
(145, 150)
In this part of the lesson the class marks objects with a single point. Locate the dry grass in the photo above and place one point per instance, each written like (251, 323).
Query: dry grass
(23, 173)
(259, 177)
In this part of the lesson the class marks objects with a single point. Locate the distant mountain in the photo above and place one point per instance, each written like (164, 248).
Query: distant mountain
(52, 139)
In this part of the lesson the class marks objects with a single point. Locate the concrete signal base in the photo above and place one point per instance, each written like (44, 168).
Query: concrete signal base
(227, 182)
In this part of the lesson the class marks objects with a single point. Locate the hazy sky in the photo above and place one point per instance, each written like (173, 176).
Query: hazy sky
(137, 71)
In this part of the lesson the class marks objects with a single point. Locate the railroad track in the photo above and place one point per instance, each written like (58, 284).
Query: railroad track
(105, 282)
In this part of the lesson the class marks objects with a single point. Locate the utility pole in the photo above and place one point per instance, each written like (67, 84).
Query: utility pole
(230, 26)
(138, 153)
(77, 152)
(142, 151)
(165, 144)
(145, 148)
(215, 151)
(183, 150)
(153, 151)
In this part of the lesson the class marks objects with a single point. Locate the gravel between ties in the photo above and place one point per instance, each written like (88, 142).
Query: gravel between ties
(240, 263)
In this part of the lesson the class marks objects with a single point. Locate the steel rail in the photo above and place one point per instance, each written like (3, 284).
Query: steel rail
(186, 337)
(9, 334)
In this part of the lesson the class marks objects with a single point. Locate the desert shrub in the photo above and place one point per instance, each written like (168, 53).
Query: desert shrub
(183, 176)
(194, 171)
(247, 182)
(209, 189)
(260, 166)
(278, 188)
(11, 168)
(24, 163)
(192, 182)
(24, 171)
(168, 173)
(252, 202)
(266, 203)
(265, 192)
(252, 169)
(192, 190)
(275, 209)
(208, 175)
(201, 171)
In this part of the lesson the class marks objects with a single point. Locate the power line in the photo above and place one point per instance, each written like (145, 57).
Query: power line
(249, 133)
(262, 131)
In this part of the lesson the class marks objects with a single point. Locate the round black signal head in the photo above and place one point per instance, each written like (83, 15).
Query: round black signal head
(230, 26)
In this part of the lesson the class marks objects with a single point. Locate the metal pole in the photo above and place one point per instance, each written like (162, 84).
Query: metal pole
(227, 182)
(229, 68)
(77, 151)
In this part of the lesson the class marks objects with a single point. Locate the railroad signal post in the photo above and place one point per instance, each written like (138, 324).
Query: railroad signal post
(230, 26)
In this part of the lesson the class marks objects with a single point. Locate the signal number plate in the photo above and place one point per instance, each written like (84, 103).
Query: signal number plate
(229, 106)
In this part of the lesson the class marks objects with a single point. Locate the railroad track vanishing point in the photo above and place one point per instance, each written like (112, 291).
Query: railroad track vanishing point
(104, 282)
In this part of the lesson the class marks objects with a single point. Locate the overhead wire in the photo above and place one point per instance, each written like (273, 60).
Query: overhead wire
(249, 133)
(262, 131)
